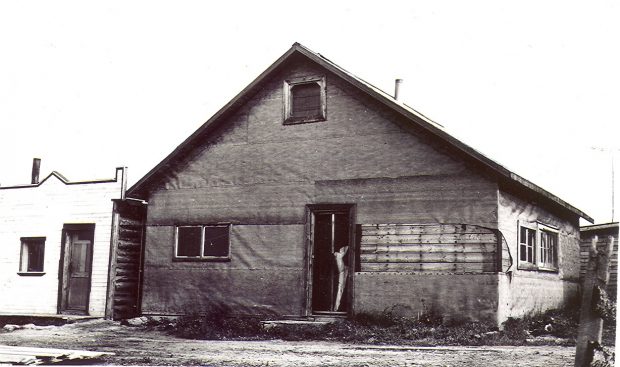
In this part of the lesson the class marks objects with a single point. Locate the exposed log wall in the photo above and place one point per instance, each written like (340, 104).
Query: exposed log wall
(126, 260)
(441, 248)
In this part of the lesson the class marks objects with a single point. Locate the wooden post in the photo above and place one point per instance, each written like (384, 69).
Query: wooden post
(591, 323)
(109, 304)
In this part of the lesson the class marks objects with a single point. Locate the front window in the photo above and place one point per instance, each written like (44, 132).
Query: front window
(203, 242)
(32, 254)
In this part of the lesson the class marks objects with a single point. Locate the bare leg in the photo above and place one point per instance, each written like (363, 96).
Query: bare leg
(342, 275)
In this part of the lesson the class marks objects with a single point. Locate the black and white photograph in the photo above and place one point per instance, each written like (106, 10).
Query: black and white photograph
(325, 183)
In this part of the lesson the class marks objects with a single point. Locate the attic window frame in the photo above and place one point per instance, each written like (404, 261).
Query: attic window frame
(289, 84)
(536, 264)
(201, 256)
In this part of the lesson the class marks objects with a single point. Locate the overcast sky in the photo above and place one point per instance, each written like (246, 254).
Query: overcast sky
(534, 85)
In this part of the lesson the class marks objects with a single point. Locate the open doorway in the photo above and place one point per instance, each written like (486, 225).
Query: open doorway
(331, 255)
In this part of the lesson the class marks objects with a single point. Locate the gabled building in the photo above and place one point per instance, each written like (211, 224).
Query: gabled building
(313, 192)
(55, 244)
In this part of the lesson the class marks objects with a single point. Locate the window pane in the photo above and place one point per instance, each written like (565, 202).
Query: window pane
(188, 241)
(32, 253)
(306, 100)
(527, 243)
(548, 248)
(216, 241)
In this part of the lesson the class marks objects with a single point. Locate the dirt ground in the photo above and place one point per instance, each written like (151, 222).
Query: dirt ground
(138, 346)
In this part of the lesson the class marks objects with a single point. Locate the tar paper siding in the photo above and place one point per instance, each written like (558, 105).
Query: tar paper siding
(259, 175)
(41, 211)
(529, 291)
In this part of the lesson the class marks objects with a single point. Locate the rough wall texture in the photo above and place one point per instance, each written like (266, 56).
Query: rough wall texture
(41, 212)
(462, 297)
(529, 291)
(259, 175)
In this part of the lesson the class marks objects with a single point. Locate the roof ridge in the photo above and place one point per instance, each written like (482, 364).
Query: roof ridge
(381, 96)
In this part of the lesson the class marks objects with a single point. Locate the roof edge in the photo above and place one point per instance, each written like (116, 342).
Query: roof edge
(595, 227)
(383, 97)
(66, 181)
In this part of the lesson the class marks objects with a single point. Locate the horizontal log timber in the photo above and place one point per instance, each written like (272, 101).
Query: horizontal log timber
(120, 272)
(390, 229)
(124, 243)
(429, 238)
(126, 221)
(435, 247)
(422, 257)
(125, 286)
(126, 278)
(429, 267)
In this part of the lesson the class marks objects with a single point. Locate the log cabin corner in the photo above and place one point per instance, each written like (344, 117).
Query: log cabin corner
(314, 193)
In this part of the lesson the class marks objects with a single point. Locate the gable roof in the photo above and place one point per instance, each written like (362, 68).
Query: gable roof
(141, 187)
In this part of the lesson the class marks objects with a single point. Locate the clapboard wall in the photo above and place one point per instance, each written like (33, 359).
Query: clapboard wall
(41, 211)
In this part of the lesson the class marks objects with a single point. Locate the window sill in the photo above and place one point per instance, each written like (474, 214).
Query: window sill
(31, 273)
(530, 267)
(303, 120)
(549, 270)
(201, 259)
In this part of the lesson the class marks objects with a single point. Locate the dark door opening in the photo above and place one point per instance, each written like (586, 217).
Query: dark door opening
(331, 254)
(76, 270)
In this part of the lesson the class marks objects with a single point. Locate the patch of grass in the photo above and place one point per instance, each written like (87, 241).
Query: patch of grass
(554, 327)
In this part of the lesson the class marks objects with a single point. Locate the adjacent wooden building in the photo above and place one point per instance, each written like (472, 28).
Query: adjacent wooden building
(603, 232)
(55, 244)
(313, 192)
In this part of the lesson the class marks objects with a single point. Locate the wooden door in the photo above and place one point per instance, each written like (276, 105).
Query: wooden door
(77, 265)
(330, 261)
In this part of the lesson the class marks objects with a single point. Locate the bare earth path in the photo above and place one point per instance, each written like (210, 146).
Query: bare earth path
(135, 346)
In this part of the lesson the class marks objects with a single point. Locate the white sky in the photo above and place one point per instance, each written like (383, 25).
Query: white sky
(534, 85)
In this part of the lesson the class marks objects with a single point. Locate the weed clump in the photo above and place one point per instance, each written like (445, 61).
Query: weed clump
(390, 327)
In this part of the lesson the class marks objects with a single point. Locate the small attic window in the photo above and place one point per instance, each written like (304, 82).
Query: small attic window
(304, 100)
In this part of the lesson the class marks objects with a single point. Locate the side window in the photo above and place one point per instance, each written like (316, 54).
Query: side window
(304, 100)
(538, 247)
(32, 254)
(548, 249)
(204, 242)
(527, 247)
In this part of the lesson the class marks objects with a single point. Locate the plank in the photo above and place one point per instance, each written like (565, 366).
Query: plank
(385, 229)
(432, 247)
(422, 257)
(430, 267)
(31, 355)
(428, 238)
